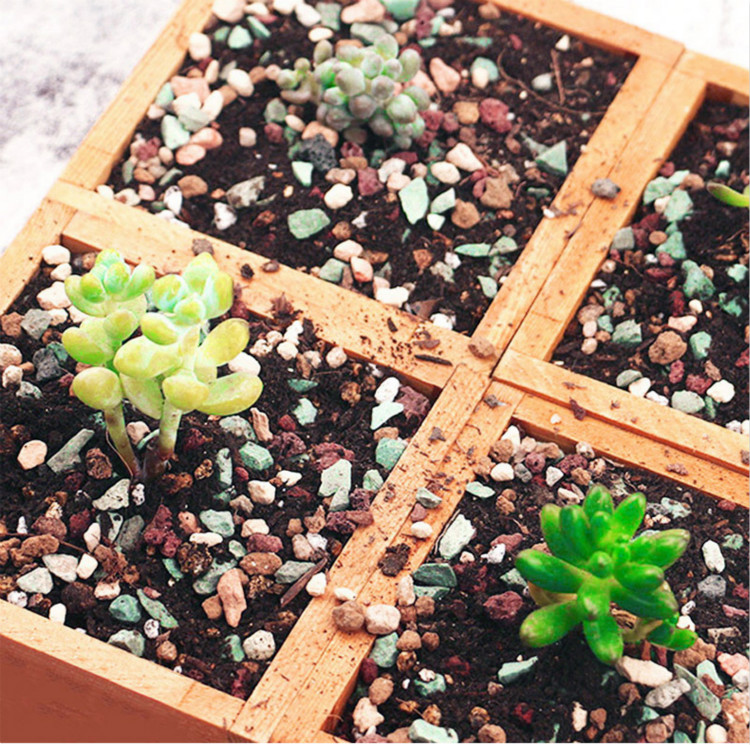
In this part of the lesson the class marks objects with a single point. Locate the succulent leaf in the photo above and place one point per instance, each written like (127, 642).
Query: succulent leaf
(98, 388)
(628, 516)
(604, 637)
(667, 635)
(575, 527)
(159, 329)
(140, 358)
(659, 603)
(639, 577)
(224, 343)
(598, 499)
(232, 394)
(88, 343)
(184, 391)
(549, 572)
(550, 623)
(661, 549)
(727, 195)
(145, 395)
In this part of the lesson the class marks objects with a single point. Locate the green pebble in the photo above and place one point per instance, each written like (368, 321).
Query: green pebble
(36, 322)
(699, 344)
(303, 171)
(239, 38)
(436, 593)
(157, 610)
(223, 463)
(306, 223)
(604, 322)
(681, 737)
(709, 412)
(384, 650)
(401, 10)
(193, 118)
(275, 111)
(218, 521)
(480, 490)
(372, 480)
(627, 334)
(171, 175)
(300, 385)
(233, 648)
(456, 537)
(488, 65)
(405, 235)
(435, 575)
(441, 269)
(415, 201)
(734, 542)
(554, 160)
(173, 568)
(332, 271)
(434, 152)
(626, 377)
(679, 207)
(488, 286)
(443, 202)
(125, 609)
(226, 496)
(237, 426)
(435, 221)
(421, 731)
(723, 169)
(538, 192)
(165, 96)
(340, 501)
(388, 451)
(383, 412)
(221, 34)
(259, 29)
(659, 187)
(610, 296)
(477, 41)
(674, 246)
(305, 412)
(290, 571)
(647, 714)
(696, 284)
(504, 245)
(431, 687)
(510, 672)
(206, 584)
(700, 732)
(737, 273)
(675, 509)
(707, 703)
(68, 456)
(256, 457)
(514, 578)
(733, 305)
(377, 158)
(624, 239)
(61, 354)
(678, 177)
(128, 169)
(330, 15)
(476, 250)
(173, 133)
(706, 667)
(335, 477)
(28, 390)
(687, 401)
(129, 640)
(236, 549)
(427, 499)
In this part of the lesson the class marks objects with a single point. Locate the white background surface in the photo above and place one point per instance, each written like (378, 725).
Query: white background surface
(63, 61)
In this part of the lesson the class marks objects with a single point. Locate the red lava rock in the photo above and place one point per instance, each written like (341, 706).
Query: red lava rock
(676, 371)
(78, 598)
(360, 499)
(516, 42)
(74, 481)
(744, 359)
(426, 138)
(241, 474)
(611, 79)
(195, 439)
(535, 462)
(415, 404)
(346, 521)
(288, 444)
(232, 595)
(368, 182)
(418, 513)
(665, 259)
(731, 612)
(471, 578)
(432, 120)
(677, 303)
(147, 149)
(698, 384)
(450, 123)
(726, 505)
(511, 542)
(523, 712)
(659, 273)
(494, 113)
(407, 156)
(241, 683)
(98, 465)
(159, 533)
(667, 169)
(264, 543)
(641, 237)
(51, 525)
(478, 189)
(570, 462)
(66, 380)
(79, 523)
(297, 492)
(368, 670)
(239, 310)
(351, 150)
(274, 133)
(329, 453)
(458, 667)
(503, 607)
(740, 591)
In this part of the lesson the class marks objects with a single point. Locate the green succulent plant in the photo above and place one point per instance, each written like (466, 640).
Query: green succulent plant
(729, 196)
(361, 86)
(172, 367)
(596, 562)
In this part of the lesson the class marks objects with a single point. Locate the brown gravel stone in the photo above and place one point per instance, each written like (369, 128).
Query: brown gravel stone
(98, 465)
(491, 733)
(668, 347)
(433, 715)
(50, 526)
(11, 324)
(166, 652)
(32, 548)
(425, 606)
(212, 607)
(192, 186)
(430, 641)
(349, 616)
(408, 641)
(263, 563)
(465, 215)
(497, 195)
(478, 717)
(380, 690)
(482, 348)
(467, 112)
(693, 656)
(78, 598)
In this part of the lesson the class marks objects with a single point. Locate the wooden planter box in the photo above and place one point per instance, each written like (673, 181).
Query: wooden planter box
(57, 684)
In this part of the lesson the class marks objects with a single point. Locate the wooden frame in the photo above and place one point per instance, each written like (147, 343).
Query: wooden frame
(57, 672)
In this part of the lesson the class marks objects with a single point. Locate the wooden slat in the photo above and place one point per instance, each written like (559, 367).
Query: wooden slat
(601, 30)
(632, 448)
(22, 258)
(311, 635)
(104, 223)
(725, 82)
(656, 137)
(328, 688)
(57, 684)
(633, 414)
(107, 140)
(574, 199)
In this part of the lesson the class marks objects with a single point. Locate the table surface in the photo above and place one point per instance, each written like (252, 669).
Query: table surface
(63, 62)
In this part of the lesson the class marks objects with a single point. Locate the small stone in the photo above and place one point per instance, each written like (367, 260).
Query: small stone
(415, 200)
(130, 640)
(427, 499)
(37, 580)
(445, 172)
(255, 457)
(554, 159)
(388, 451)
(220, 522)
(605, 188)
(245, 193)
(382, 619)
(55, 255)
(316, 587)
(291, 571)
(206, 584)
(699, 344)
(687, 401)
(667, 348)
(231, 593)
(543, 83)
(666, 694)
(86, 566)
(32, 454)
(643, 672)
(63, 566)
(713, 557)
(68, 457)
(510, 672)
(722, 392)
(338, 196)
(115, 498)
(627, 334)
(306, 223)
(456, 537)
(462, 156)
(366, 716)
(259, 646)
(706, 702)
(679, 207)
(125, 609)
(349, 616)
(444, 76)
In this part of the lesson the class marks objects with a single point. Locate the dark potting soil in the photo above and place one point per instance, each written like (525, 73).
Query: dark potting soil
(589, 79)
(716, 237)
(344, 399)
(538, 706)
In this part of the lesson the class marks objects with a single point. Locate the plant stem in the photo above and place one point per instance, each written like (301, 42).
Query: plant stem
(168, 426)
(115, 421)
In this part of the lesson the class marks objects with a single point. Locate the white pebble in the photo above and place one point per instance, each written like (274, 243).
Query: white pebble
(713, 557)
(579, 717)
(387, 390)
(502, 472)
(405, 594)
(563, 43)
(480, 77)
(9, 355)
(18, 598)
(246, 363)
(151, 628)
(347, 250)
(513, 435)
(286, 350)
(366, 716)
(262, 492)
(721, 392)
(248, 137)
(32, 454)
(107, 590)
(643, 672)
(344, 594)
(12, 375)
(53, 296)
(92, 536)
(496, 554)
(317, 585)
(395, 296)
(255, 526)
(21, 526)
(240, 81)
(55, 255)
(381, 619)
(206, 539)
(657, 398)
(259, 646)
(445, 173)
(553, 475)
(61, 272)
(57, 613)
(463, 157)
(173, 199)
(421, 529)
(199, 46)
(336, 357)
(716, 733)
(231, 11)
(307, 15)
(338, 196)
(640, 387)
(63, 566)
(442, 320)
(319, 33)
(224, 216)
(86, 566)
(289, 478)
(589, 345)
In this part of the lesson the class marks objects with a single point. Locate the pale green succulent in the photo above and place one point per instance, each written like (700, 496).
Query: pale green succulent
(172, 368)
(361, 86)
